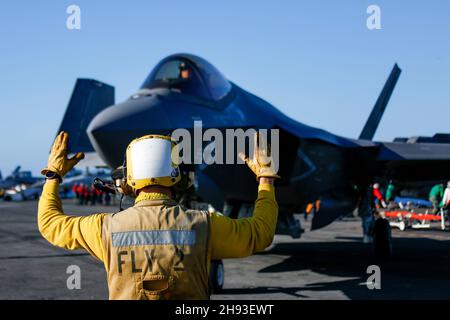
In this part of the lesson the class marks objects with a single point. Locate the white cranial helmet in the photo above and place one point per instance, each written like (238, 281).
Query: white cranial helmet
(149, 162)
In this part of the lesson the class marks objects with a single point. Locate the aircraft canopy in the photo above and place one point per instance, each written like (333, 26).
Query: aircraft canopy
(190, 75)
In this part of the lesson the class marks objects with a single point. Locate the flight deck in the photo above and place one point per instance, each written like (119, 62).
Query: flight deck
(330, 263)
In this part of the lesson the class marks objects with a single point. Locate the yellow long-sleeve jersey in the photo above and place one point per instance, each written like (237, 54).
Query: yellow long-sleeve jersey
(230, 238)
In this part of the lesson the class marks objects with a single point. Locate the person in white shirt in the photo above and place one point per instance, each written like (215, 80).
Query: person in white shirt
(446, 198)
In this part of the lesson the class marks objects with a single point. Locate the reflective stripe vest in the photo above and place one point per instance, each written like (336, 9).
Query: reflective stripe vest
(157, 250)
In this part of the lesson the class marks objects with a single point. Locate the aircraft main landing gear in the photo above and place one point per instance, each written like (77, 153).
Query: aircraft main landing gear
(216, 276)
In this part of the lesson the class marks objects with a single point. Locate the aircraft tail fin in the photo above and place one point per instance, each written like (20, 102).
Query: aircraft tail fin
(375, 116)
(89, 97)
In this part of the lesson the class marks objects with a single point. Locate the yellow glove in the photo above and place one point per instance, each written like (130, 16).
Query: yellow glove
(262, 163)
(58, 161)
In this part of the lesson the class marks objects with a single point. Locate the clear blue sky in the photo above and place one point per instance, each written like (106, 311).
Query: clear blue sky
(314, 60)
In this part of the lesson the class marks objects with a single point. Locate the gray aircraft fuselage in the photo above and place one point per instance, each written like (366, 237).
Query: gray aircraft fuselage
(314, 164)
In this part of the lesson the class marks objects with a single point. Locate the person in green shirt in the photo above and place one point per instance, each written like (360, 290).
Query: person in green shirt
(390, 191)
(436, 194)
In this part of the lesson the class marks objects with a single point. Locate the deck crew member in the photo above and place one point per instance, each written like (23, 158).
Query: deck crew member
(157, 249)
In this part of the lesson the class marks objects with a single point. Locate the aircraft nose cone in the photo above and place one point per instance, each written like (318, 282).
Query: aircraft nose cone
(112, 130)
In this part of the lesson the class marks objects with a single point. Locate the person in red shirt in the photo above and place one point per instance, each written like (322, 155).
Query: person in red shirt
(99, 196)
(86, 194)
(75, 191)
(377, 196)
(80, 193)
(93, 195)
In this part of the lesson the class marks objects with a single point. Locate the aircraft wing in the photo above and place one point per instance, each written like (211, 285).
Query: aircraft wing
(392, 151)
(414, 161)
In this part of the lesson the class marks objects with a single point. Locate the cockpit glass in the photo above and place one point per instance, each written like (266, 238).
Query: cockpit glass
(195, 77)
(168, 71)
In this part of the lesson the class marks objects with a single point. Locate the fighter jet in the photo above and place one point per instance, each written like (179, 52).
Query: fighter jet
(314, 163)
(18, 177)
(20, 185)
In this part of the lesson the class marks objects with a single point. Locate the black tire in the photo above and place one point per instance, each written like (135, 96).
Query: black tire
(382, 239)
(216, 276)
(295, 227)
